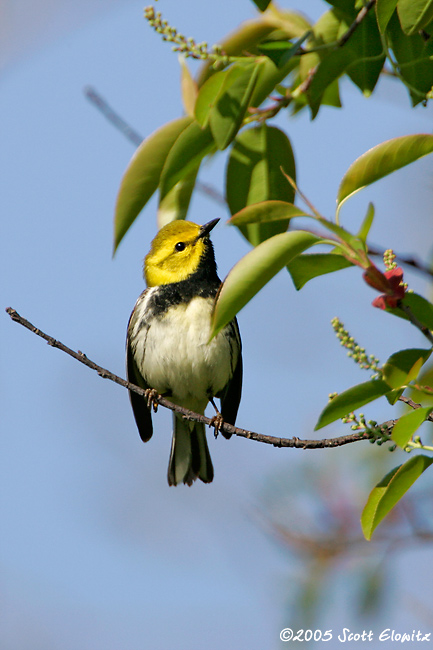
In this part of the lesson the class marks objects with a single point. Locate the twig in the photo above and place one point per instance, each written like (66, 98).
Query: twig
(305, 85)
(358, 20)
(262, 114)
(211, 192)
(114, 118)
(190, 415)
(409, 402)
(136, 138)
(407, 261)
(414, 405)
(339, 543)
(307, 202)
(416, 264)
(414, 320)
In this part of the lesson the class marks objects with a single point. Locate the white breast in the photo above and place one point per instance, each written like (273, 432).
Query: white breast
(175, 356)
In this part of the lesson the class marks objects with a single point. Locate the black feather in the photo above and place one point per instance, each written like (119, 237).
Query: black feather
(142, 414)
(230, 396)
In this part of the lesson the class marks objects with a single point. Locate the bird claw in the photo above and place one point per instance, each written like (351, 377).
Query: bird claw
(217, 423)
(152, 396)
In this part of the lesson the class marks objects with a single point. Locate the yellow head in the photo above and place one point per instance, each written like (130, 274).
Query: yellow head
(176, 252)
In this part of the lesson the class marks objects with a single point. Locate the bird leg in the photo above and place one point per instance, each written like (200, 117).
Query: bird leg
(217, 420)
(151, 396)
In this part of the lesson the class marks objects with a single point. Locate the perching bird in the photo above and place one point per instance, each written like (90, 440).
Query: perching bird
(168, 347)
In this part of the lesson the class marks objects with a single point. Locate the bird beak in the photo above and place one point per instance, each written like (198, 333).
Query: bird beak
(205, 230)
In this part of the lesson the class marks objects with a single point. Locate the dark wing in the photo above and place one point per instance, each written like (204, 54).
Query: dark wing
(142, 413)
(231, 395)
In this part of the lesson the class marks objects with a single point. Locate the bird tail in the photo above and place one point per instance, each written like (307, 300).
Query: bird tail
(189, 457)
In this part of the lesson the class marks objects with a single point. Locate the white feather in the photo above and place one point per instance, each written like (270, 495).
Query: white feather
(174, 355)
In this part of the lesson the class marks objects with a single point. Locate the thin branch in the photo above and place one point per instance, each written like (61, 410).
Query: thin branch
(358, 20)
(414, 320)
(407, 261)
(211, 192)
(414, 405)
(262, 114)
(339, 544)
(190, 415)
(304, 86)
(409, 402)
(307, 202)
(114, 118)
(136, 138)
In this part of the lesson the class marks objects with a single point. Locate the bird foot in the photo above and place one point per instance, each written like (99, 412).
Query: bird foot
(217, 422)
(152, 396)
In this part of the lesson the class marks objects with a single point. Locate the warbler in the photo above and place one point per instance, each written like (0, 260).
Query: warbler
(168, 346)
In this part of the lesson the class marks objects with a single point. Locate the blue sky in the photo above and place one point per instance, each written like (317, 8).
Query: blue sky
(97, 552)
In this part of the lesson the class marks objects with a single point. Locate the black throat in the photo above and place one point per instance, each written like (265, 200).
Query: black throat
(204, 283)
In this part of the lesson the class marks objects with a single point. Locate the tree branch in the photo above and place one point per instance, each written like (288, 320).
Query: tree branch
(190, 415)
(358, 20)
(414, 405)
(304, 86)
(114, 118)
(414, 320)
(136, 138)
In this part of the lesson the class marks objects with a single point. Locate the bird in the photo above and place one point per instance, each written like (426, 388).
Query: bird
(168, 346)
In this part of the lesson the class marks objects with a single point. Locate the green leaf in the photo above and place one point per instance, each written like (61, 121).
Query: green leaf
(262, 4)
(390, 490)
(381, 160)
(394, 395)
(267, 211)
(344, 5)
(311, 265)
(425, 379)
(406, 426)
(143, 174)
(227, 113)
(414, 58)
(325, 32)
(268, 78)
(244, 39)
(384, 11)
(254, 175)
(404, 366)
(292, 23)
(367, 223)
(280, 52)
(185, 156)
(275, 50)
(366, 44)
(325, 88)
(175, 204)
(421, 308)
(350, 400)
(254, 270)
(188, 87)
(343, 234)
(208, 95)
(414, 14)
(329, 70)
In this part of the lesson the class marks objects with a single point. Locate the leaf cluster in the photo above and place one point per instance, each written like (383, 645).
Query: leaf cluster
(276, 62)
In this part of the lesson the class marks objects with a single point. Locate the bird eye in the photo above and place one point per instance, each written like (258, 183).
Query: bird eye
(180, 246)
